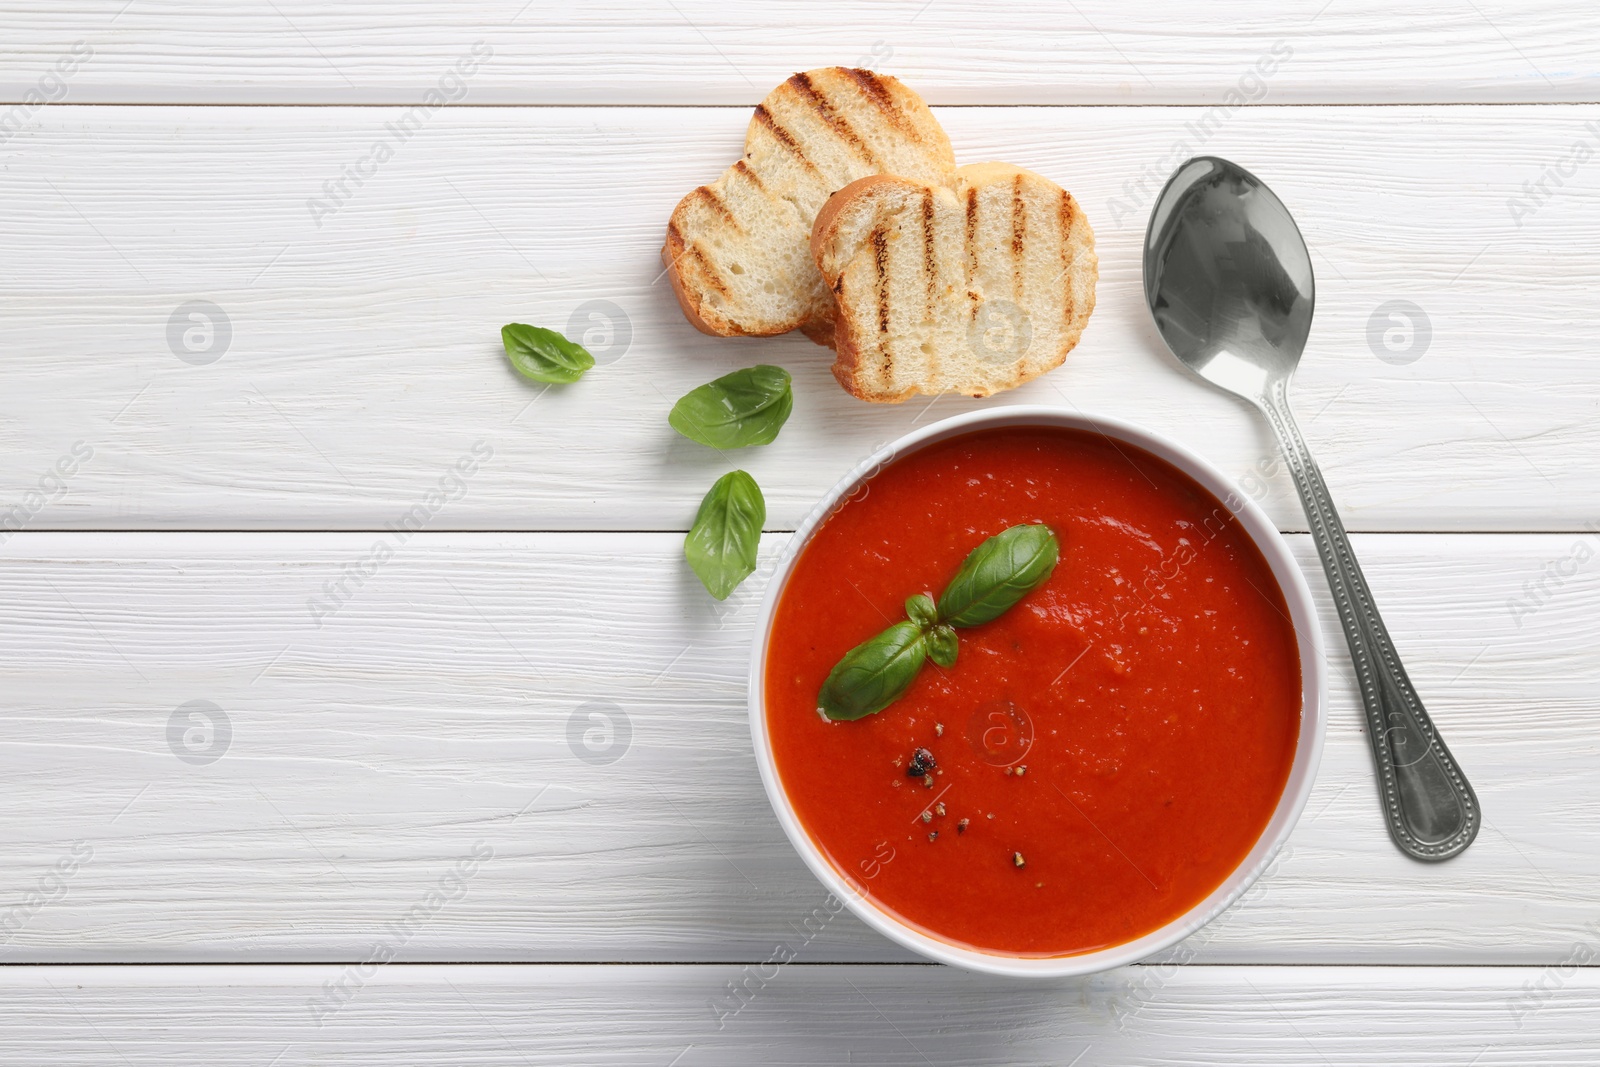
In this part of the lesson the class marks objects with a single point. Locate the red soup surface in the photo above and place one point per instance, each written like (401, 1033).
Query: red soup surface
(1108, 751)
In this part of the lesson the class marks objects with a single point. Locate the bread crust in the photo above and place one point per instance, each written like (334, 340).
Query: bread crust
(670, 252)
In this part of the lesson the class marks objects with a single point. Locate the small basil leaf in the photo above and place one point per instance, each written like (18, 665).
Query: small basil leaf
(998, 573)
(721, 546)
(921, 610)
(943, 645)
(747, 407)
(544, 355)
(874, 674)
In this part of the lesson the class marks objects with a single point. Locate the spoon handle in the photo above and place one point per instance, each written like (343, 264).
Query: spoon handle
(1430, 808)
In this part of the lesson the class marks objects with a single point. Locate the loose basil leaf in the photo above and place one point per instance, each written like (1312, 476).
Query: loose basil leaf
(921, 610)
(998, 573)
(875, 673)
(747, 407)
(544, 355)
(721, 546)
(943, 645)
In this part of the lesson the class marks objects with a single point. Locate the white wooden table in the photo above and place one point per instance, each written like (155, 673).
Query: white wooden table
(409, 776)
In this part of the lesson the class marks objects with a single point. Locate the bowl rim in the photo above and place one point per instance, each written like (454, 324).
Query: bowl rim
(1308, 747)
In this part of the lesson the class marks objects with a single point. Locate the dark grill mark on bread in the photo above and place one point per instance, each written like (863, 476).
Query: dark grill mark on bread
(831, 116)
(972, 247)
(785, 138)
(929, 269)
(707, 271)
(749, 175)
(1067, 306)
(876, 91)
(1019, 231)
(880, 262)
(713, 201)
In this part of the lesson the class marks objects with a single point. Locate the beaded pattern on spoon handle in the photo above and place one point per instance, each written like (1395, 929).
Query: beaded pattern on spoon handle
(1391, 703)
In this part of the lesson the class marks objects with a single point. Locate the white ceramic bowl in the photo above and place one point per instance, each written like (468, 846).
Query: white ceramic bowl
(1308, 749)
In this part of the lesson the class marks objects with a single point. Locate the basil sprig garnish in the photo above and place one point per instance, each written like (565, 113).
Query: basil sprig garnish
(747, 407)
(721, 546)
(994, 576)
(544, 355)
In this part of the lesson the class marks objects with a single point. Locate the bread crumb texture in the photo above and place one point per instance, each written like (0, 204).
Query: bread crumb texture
(969, 288)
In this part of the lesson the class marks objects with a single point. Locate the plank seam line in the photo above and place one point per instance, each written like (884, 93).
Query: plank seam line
(758, 961)
(34, 532)
(9, 101)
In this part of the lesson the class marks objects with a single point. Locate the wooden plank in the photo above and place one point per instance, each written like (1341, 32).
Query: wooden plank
(357, 360)
(445, 708)
(796, 1014)
(702, 52)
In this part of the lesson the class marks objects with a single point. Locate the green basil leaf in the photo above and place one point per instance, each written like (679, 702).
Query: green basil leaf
(998, 573)
(874, 674)
(747, 407)
(544, 355)
(921, 610)
(721, 546)
(943, 645)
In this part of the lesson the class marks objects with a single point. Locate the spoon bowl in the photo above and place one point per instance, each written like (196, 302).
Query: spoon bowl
(1228, 277)
(1228, 280)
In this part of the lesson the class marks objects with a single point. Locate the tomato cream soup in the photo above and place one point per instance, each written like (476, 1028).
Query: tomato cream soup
(1100, 757)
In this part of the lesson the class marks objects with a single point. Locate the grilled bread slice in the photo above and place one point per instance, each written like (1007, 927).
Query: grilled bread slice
(736, 249)
(971, 289)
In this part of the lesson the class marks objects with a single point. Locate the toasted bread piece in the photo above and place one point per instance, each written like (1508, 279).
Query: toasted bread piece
(969, 290)
(736, 249)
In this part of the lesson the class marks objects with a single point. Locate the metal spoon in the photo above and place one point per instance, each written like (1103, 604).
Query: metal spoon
(1228, 280)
